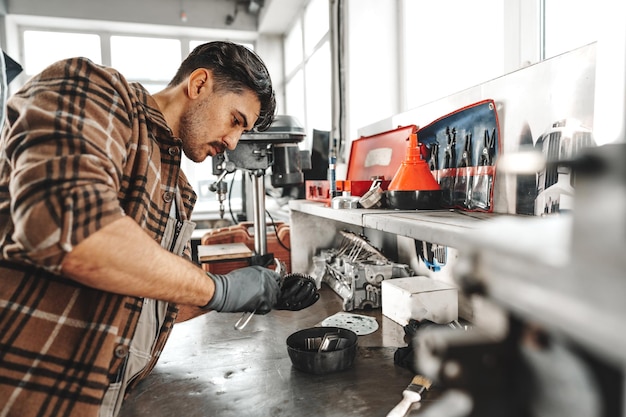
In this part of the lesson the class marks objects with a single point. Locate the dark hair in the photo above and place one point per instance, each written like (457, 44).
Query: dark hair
(234, 68)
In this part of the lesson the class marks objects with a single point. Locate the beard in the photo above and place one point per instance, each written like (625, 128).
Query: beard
(192, 134)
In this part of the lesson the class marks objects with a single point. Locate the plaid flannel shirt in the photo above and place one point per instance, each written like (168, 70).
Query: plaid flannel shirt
(81, 148)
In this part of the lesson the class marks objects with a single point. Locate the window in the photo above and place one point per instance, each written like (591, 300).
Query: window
(308, 69)
(143, 59)
(295, 96)
(42, 48)
(451, 45)
(318, 89)
(293, 48)
(569, 24)
(193, 44)
(316, 24)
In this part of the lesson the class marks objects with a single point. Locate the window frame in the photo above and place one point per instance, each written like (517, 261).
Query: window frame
(207, 205)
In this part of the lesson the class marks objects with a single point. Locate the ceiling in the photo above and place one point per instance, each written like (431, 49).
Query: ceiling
(277, 16)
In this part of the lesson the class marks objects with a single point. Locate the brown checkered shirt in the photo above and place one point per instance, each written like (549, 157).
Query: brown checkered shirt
(81, 148)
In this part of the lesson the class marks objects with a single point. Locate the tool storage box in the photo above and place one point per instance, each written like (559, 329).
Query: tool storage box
(419, 298)
(371, 158)
(375, 157)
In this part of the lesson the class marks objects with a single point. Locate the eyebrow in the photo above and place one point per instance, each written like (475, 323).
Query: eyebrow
(245, 119)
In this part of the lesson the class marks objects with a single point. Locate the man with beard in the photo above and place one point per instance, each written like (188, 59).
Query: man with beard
(94, 224)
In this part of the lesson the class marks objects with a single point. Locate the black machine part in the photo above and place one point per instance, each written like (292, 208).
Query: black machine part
(529, 373)
(276, 148)
(284, 129)
(289, 161)
(297, 291)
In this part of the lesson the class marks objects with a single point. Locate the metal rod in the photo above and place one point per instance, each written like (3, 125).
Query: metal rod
(258, 201)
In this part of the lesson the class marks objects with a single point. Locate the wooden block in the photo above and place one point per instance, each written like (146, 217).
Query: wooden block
(208, 253)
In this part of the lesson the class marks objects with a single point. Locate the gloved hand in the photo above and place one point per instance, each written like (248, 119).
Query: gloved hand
(252, 288)
(297, 291)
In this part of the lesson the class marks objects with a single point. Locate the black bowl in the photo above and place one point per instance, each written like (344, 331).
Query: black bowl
(305, 355)
(412, 200)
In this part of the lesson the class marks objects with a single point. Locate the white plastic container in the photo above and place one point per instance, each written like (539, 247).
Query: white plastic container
(419, 298)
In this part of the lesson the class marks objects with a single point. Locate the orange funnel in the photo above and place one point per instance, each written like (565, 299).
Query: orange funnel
(414, 173)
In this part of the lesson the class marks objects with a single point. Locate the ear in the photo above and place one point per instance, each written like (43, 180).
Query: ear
(200, 82)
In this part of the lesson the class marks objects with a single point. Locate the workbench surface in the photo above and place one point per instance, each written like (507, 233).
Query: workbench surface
(210, 369)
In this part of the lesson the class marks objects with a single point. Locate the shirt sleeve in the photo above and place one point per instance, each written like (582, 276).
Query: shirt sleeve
(67, 143)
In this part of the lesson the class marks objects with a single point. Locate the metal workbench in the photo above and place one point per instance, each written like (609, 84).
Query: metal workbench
(210, 369)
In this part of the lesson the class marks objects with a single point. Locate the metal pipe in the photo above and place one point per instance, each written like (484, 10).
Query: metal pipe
(258, 201)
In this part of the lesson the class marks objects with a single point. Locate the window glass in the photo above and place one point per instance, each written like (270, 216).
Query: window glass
(316, 24)
(142, 58)
(194, 43)
(293, 48)
(438, 61)
(308, 86)
(318, 88)
(42, 48)
(294, 97)
(570, 24)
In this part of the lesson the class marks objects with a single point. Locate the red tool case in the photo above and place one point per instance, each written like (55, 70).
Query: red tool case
(371, 157)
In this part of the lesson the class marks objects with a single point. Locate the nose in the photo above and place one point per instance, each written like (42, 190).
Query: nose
(232, 139)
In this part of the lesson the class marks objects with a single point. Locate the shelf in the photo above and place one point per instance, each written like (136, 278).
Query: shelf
(444, 227)
(319, 209)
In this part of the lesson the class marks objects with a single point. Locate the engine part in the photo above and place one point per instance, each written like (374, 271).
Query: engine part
(355, 271)
(297, 291)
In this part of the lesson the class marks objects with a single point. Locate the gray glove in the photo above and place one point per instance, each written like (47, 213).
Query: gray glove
(252, 288)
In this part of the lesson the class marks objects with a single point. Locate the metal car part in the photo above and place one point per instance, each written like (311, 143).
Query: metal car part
(355, 271)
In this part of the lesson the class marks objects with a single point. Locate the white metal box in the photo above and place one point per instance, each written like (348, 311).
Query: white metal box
(419, 298)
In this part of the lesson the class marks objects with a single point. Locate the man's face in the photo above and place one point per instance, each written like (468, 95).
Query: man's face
(215, 122)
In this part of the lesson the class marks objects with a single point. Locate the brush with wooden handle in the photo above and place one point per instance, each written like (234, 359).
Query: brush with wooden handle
(411, 395)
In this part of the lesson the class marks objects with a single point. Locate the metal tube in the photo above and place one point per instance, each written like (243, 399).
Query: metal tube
(258, 201)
